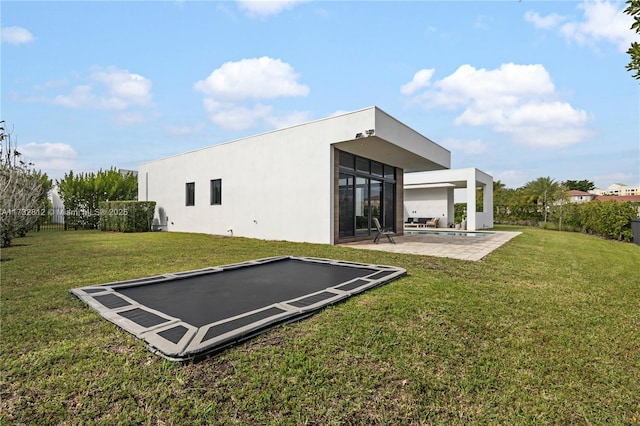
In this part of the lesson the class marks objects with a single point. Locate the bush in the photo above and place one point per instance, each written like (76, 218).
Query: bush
(126, 216)
(518, 214)
(610, 219)
(82, 194)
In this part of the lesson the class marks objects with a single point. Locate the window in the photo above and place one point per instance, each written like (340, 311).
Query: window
(216, 192)
(366, 191)
(347, 203)
(362, 165)
(190, 194)
(377, 169)
(347, 160)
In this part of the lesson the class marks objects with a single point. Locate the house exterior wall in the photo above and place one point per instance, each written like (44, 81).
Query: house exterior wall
(427, 202)
(431, 185)
(290, 202)
(281, 184)
(390, 129)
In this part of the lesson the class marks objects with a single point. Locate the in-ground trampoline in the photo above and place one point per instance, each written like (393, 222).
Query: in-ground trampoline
(188, 314)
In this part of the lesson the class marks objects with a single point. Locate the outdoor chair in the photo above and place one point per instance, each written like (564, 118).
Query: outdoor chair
(387, 232)
(433, 223)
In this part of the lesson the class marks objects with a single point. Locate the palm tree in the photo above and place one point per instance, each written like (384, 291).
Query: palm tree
(544, 191)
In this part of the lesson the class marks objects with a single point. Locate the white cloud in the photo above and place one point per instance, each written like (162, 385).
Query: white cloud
(130, 118)
(233, 91)
(288, 120)
(510, 178)
(544, 22)
(339, 112)
(108, 89)
(132, 89)
(420, 80)
(266, 7)
(184, 130)
(80, 96)
(502, 86)
(618, 177)
(482, 22)
(233, 117)
(237, 117)
(257, 78)
(468, 147)
(519, 100)
(52, 84)
(602, 21)
(16, 35)
(53, 158)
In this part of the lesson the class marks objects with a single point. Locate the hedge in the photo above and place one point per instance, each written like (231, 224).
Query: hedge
(609, 219)
(126, 216)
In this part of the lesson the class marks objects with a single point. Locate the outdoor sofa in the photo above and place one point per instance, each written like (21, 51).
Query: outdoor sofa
(422, 222)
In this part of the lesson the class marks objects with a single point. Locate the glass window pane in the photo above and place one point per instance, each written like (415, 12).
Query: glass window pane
(362, 165)
(190, 194)
(346, 189)
(216, 192)
(346, 160)
(389, 172)
(362, 206)
(375, 201)
(376, 169)
(388, 208)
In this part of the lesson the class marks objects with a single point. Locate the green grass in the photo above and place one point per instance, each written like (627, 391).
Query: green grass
(546, 330)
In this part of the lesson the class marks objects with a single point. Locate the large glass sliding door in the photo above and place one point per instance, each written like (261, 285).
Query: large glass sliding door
(365, 192)
(375, 202)
(388, 204)
(347, 202)
(362, 206)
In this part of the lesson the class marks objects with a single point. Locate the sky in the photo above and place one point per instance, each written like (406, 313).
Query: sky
(518, 89)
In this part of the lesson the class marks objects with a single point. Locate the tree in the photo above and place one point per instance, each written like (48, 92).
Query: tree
(505, 202)
(633, 9)
(544, 191)
(81, 194)
(23, 191)
(579, 185)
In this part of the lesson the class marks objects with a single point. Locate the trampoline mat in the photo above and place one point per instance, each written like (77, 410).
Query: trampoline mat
(188, 314)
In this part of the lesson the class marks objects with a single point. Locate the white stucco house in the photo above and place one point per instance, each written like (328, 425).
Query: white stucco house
(431, 194)
(322, 181)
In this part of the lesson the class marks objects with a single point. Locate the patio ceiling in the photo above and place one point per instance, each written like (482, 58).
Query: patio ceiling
(378, 149)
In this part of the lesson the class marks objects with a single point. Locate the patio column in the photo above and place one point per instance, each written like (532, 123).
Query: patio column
(471, 201)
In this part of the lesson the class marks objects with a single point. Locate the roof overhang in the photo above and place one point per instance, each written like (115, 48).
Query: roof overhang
(456, 178)
(431, 185)
(378, 149)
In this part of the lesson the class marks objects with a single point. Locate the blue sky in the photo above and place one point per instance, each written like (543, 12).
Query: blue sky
(518, 89)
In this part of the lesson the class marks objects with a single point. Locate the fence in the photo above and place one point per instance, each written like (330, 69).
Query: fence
(59, 219)
(52, 219)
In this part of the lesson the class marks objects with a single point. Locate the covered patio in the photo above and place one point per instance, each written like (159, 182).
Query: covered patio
(430, 194)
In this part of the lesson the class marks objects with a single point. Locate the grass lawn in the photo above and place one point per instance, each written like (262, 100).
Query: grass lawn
(546, 330)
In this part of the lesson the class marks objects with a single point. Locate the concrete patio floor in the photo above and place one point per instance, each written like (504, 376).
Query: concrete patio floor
(473, 248)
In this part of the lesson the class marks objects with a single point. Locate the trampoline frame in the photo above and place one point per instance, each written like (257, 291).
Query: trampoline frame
(177, 340)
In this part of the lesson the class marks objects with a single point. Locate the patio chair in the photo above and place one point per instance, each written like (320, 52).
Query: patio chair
(381, 231)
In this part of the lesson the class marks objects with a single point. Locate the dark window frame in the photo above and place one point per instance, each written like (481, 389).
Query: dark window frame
(348, 166)
(215, 187)
(190, 194)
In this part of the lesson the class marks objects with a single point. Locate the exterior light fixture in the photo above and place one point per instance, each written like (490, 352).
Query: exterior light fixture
(359, 135)
(370, 132)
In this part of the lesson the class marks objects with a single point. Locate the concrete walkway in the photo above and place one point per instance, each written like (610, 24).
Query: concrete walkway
(458, 247)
